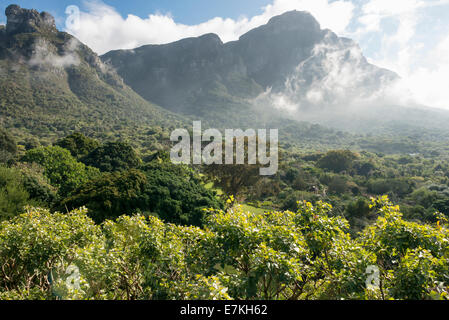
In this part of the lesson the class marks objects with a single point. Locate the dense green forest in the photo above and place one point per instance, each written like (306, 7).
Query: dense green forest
(147, 229)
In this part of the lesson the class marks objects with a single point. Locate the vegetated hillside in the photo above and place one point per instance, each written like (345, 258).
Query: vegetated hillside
(51, 84)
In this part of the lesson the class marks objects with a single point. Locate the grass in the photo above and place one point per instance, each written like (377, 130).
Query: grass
(252, 209)
(210, 186)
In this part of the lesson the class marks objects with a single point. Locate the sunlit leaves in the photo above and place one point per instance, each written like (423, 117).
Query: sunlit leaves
(306, 254)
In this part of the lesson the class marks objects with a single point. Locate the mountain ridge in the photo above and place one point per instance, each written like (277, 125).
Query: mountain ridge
(188, 75)
(290, 62)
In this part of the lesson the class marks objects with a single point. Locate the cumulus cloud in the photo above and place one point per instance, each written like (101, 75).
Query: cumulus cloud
(346, 82)
(103, 29)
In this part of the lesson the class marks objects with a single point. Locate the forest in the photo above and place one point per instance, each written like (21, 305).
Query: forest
(82, 219)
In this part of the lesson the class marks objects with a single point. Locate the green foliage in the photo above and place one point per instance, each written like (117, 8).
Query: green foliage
(13, 195)
(416, 275)
(338, 185)
(306, 254)
(359, 214)
(132, 258)
(284, 255)
(413, 258)
(37, 243)
(7, 142)
(78, 144)
(60, 167)
(434, 198)
(112, 156)
(8, 147)
(178, 198)
(337, 161)
(419, 184)
(36, 184)
(365, 168)
(400, 187)
(170, 192)
(111, 195)
(235, 179)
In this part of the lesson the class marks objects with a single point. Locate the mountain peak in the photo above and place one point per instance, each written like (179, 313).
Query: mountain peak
(296, 25)
(21, 20)
(211, 37)
(205, 41)
(295, 19)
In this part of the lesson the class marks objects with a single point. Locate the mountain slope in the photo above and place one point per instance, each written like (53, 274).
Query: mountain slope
(51, 84)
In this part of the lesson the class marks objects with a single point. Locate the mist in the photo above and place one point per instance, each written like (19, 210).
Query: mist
(337, 87)
(45, 55)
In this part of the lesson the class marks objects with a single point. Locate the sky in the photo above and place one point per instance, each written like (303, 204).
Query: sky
(410, 37)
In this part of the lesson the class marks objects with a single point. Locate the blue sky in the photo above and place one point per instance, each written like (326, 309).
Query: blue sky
(410, 37)
(194, 12)
(185, 11)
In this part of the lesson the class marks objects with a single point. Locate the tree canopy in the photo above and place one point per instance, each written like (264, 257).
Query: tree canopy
(78, 144)
(8, 147)
(160, 190)
(112, 156)
(60, 167)
(337, 161)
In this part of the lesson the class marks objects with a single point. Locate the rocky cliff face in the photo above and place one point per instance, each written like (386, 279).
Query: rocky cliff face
(176, 74)
(28, 21)
(272, 51)
(191, 75)
(30, 35)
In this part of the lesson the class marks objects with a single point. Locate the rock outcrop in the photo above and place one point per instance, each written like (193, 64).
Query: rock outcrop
(28, 21)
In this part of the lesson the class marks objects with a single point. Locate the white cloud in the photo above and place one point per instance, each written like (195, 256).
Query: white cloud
(429, 82)
(104, 29)
(334, 15)
(424, 70)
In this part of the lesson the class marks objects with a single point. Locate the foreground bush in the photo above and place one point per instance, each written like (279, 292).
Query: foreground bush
(306, 254)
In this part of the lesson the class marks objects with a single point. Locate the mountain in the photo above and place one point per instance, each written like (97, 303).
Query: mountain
(289, 68)
(51, 84)
(192, 74)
